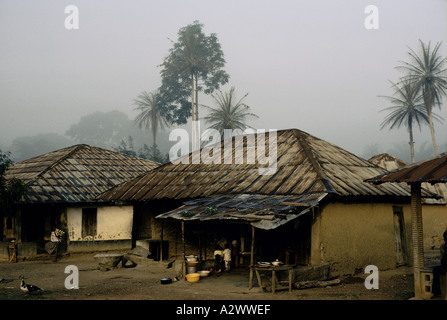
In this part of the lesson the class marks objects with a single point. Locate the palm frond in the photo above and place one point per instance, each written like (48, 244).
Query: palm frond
(228, 114)
(150, 115)
(406, 107)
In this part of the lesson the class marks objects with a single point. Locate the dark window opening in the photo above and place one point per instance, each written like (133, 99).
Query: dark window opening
(89, 217)
(9, 223)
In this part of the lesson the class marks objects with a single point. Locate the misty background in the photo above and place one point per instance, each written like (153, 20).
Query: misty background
(310, 65)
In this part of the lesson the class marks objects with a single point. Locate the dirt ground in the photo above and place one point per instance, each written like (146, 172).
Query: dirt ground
(142, 282)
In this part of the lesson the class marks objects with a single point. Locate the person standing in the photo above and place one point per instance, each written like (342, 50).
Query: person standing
(52, 247)
(227, 257)
(218, 255)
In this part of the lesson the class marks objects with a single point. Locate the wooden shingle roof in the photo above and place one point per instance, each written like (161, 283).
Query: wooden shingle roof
(76, 174)
(305, 165)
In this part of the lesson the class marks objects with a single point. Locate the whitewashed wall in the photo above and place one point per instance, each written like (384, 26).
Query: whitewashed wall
(113, 223)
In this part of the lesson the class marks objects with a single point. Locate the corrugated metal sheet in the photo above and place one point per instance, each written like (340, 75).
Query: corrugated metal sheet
(391, 163)
(265, 212)
(433, 170)
(305, 165)
(76, 174)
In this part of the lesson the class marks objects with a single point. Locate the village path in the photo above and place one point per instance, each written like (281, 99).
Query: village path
(142, 282)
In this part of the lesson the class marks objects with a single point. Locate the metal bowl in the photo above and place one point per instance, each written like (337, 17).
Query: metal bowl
(204, 273)
(165, 280)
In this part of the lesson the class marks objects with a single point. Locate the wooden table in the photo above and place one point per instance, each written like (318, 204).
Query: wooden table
(273, 269)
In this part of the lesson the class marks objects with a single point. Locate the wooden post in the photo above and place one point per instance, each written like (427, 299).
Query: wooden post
(417, 238)
(17, 226)
(200, 249)
(161, 244)
(184, 249)
(242, 245)
(273, 280)
(250, 280)
(252, 245)
(290, 280)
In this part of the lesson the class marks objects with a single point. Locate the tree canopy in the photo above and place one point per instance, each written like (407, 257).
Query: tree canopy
(228, 113)
(194, 64)
(427, 73)
(150, 115)
(11, 190)
(105, 130)
(407, 109)
(26, 147)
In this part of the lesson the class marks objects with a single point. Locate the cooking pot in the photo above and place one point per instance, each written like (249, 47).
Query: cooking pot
(165, 280)
(191, 258)
(192, 263)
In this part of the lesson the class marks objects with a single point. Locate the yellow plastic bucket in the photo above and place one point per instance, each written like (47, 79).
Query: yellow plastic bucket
(193, 277)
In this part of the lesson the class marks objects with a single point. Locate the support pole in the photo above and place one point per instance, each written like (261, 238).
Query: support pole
(250, 280)
(417, 238)
(184, 248)
(161, 244)
(252, 258)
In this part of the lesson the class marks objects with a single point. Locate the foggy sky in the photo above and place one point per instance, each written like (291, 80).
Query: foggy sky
(310, 65)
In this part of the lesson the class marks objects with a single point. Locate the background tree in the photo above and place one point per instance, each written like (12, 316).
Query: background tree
(427, 74)
(26, 147)
(371, 150)
(101, 129)
(153, 153)
(126, 147)
(195, 63)
(229, 113)
(106, 130)
(407, 109)
(150, 117)
(11, 190)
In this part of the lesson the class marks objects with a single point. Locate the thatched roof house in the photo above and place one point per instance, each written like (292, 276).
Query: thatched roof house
(310, 175)
(64, 185)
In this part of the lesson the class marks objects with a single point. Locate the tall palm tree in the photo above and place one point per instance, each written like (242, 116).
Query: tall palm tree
(150, 116)
(229, 113)
(407, 109)
(427, 74)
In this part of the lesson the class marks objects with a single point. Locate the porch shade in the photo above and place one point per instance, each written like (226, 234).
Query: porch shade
(261, 211)
(432, 171)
